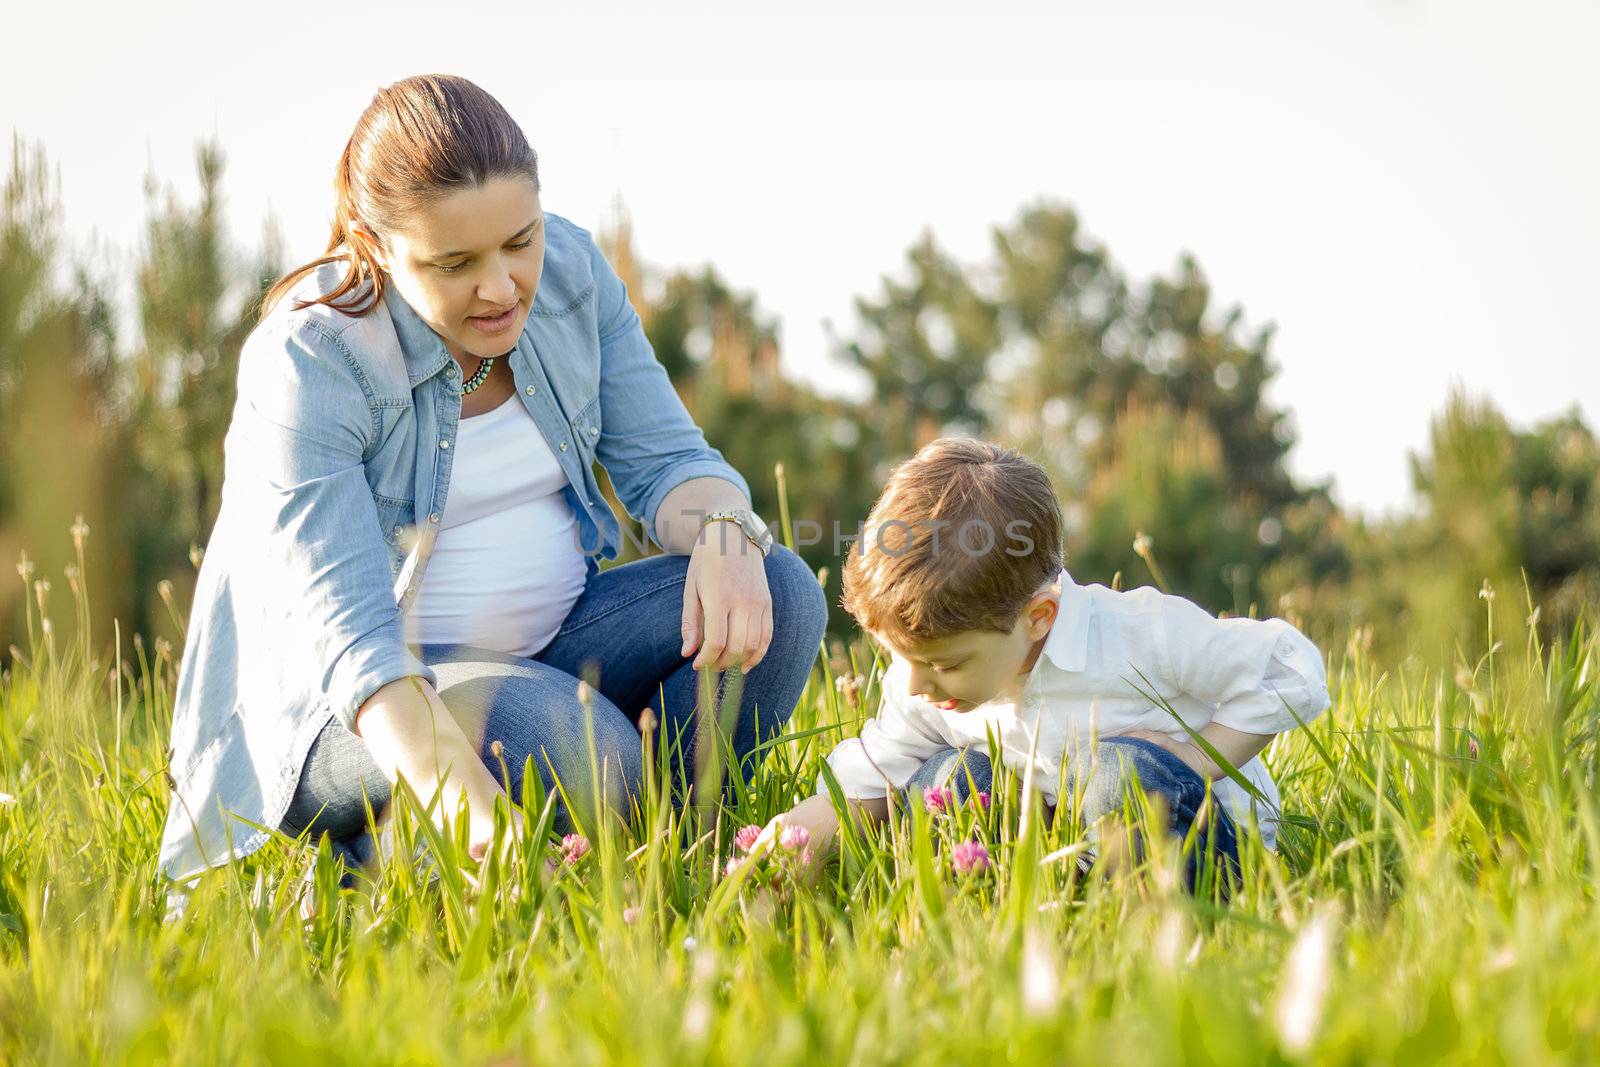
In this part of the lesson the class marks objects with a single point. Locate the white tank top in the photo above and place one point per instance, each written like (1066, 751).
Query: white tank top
(506, 567)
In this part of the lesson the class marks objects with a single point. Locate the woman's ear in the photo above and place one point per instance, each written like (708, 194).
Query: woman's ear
(370, 244)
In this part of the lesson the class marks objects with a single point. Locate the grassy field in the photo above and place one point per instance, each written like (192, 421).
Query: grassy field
(1433, 899)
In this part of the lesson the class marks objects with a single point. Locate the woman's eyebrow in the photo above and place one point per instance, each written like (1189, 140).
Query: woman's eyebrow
(513, 237)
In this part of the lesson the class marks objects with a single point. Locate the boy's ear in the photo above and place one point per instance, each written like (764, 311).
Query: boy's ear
(1041, 612)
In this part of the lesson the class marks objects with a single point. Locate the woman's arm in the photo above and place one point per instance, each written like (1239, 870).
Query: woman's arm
(685, 508)
(304, 424)
(412, 735)
(727, 607)
(666, 475)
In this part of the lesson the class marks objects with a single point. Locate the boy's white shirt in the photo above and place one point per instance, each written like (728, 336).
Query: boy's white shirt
(1086, 683)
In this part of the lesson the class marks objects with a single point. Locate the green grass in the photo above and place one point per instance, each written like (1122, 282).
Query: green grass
(1433, 899)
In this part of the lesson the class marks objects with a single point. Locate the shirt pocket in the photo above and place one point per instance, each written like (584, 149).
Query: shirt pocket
(396, 517)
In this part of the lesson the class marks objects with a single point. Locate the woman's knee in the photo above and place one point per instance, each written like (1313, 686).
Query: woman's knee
(582, 747)
(799, 608)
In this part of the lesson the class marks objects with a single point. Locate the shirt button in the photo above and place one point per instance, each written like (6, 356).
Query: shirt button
(444, 443)
(450, 371)
(594, 431)
(434, 518)
(532, 389)
(563, 446)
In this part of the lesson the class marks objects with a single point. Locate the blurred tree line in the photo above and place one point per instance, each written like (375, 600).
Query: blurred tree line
(1145, 401)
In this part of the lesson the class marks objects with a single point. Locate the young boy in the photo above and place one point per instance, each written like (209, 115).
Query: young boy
(958, 573)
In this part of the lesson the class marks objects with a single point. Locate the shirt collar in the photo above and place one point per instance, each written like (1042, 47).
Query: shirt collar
(1067, 643)
(424, 351)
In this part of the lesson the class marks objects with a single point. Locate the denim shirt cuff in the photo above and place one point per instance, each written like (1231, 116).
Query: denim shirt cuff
(367, 666)
(683, 472)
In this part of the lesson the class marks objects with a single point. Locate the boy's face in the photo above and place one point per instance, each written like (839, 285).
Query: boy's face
(961, 671)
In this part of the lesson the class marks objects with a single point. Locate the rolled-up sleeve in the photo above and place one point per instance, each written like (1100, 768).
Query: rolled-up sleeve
(890, 748)
(648, 443)
(322, 582)
(1262, 674)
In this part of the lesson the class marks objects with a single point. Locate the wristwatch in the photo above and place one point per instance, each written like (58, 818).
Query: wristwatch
(754, 529)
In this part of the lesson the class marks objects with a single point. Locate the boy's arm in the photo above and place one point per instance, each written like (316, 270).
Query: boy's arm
(1235, 747)
(821, 822)
(1262, 674)
(888, 752)
(892, 746)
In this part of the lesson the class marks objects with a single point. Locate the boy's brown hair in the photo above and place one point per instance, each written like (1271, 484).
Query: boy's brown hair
(963, 534)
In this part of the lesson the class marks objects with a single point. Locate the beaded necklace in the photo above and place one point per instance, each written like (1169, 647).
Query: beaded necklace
(479, 376)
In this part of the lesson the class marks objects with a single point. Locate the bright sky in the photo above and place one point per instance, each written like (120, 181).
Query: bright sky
(1404, 187)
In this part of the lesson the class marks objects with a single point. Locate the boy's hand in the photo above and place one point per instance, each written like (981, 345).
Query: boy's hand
(815, 816)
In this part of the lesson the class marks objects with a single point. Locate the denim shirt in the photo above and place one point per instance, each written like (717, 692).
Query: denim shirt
(336, 471)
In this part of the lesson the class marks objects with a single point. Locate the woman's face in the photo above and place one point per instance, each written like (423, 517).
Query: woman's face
(469, 264)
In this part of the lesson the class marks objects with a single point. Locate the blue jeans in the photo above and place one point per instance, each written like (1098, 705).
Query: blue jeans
(1100, 778)
(626, 628)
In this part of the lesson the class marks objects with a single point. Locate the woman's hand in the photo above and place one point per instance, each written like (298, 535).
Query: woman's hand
(727, 607)
(411, 734)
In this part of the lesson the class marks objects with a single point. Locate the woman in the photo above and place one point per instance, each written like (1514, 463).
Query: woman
(402, 579)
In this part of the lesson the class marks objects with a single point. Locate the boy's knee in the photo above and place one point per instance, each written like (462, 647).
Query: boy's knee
(972, 774)
(1111, 781)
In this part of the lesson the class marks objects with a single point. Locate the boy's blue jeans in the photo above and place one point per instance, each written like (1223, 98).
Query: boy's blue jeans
(1100, 777)
(626, 626)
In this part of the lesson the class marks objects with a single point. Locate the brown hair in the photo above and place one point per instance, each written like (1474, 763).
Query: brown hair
(418, 140)
(963, 534)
